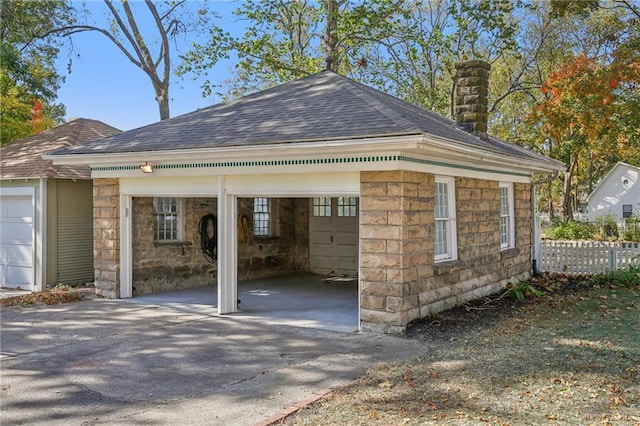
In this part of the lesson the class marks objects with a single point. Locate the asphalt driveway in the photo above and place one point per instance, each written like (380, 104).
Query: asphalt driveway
(112, 362)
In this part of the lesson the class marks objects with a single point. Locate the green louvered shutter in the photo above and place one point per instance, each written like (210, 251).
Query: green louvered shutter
(75, 232)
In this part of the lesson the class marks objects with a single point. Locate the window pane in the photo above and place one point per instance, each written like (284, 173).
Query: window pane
(504, 201)
(165, 219)
(442, 200)
(504, 230)
(441, 246)
(322, 206)
(261, 217)
(347, 206)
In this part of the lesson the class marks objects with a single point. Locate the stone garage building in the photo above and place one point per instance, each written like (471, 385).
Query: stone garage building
(320, 175)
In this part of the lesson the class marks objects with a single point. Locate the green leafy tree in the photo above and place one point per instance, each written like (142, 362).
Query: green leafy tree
(404, 48)
(29, 80)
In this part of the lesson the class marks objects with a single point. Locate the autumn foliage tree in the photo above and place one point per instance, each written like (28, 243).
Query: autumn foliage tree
(585, 102)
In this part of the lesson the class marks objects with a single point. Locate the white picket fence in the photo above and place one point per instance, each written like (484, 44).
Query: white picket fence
(587, 257)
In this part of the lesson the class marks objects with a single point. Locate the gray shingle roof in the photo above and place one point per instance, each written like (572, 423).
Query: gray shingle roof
(23, 158)
(322, 106)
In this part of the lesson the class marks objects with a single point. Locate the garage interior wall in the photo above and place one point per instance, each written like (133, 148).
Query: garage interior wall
(170, 266)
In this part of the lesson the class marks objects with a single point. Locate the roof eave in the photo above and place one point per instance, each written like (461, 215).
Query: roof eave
(400, 142)
(477, 155)
(419, 143)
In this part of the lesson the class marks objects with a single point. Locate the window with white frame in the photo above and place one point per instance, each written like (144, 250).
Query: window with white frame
(507, 223)
(261, 217)
(347, 206)
(167, 219)
(322, 206)
(445, 245)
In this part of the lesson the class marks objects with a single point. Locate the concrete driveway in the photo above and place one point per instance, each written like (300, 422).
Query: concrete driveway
(113, 362)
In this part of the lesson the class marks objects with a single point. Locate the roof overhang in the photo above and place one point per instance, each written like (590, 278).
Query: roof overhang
(424, 146)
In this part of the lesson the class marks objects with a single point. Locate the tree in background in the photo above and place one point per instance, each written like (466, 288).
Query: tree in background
(284, 41)
(149, 50)
(29, 80)
(589, 114)
(407, 49)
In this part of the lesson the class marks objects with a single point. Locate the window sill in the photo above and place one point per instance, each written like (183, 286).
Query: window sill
(172, 244)
(508, 253)
(265, 238)
(445, 266)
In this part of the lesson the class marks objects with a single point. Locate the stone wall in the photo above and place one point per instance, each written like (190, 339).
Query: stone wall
(396, 241)
(162, 267)
(399, 279)
(286, 251)
(169, 266)
(106, 234)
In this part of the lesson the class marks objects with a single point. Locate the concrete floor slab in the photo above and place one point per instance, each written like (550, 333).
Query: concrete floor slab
(299, 300)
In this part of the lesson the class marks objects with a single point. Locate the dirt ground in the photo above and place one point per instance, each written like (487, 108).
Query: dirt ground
(484, 313)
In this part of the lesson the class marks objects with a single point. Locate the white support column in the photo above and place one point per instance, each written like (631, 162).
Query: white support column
(42, 258)
(126, 277)
(227, 250)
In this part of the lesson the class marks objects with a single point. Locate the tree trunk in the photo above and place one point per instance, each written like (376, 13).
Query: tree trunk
(567, 210)
(163, 105)
(552, 213)
(330, 36)
(162, 97)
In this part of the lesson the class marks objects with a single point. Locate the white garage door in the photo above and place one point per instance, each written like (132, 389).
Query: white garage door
(17, 212)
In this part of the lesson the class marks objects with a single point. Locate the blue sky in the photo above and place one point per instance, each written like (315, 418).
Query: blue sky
(104, 85)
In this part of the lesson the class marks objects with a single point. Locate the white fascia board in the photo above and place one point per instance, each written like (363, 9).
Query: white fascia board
(454, 149)
(238, 153)
(459, 169)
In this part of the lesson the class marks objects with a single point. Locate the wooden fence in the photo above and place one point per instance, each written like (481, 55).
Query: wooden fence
(587, 257)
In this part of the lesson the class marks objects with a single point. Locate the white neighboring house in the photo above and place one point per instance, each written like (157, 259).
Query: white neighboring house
(617, 193)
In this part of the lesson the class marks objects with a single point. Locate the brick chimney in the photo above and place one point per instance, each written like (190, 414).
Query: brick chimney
(472, 88)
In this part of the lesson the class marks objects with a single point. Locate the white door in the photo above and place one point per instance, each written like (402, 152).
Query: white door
(17, 211)
(333, 235)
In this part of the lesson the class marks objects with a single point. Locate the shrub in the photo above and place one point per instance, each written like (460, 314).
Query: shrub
(570, 230)
(629, 277)
(607, 227)
(632, 231)
(523, 290)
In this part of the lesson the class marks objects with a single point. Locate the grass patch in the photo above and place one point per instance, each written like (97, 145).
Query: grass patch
(564, 358)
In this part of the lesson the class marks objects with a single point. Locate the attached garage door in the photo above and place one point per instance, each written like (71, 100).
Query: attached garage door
(17, 211)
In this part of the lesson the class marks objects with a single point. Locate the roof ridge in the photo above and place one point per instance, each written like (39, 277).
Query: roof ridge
(358, 90)
(432, 116)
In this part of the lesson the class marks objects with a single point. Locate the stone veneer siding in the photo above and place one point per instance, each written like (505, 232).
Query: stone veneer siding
(399, 279)
(106, 235)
